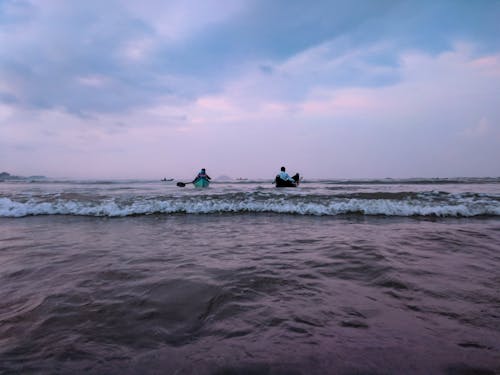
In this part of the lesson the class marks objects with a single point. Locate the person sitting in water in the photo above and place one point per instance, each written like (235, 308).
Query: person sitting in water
(285, 176)
(283, 179)
(203, 174)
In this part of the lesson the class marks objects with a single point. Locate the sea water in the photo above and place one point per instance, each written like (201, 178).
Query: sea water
(333, 277)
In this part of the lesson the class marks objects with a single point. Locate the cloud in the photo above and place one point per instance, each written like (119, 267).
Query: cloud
(483, 128)
(185, 49)
(384, 88)
(412, 127)
(177, 21)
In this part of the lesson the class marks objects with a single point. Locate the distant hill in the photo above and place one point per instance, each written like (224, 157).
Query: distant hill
(7, 176)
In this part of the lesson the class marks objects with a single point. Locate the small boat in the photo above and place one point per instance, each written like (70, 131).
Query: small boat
(167, 179)
(201, 183)
(282, 183)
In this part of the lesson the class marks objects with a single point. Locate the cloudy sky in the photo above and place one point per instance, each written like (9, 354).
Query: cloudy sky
(343, 89)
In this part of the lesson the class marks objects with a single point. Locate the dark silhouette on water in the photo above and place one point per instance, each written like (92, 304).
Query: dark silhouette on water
(283, 179)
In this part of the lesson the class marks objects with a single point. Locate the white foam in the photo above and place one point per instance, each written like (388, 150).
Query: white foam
(465, 207)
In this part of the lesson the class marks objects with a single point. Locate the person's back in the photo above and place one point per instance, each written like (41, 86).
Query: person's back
(285, 176)
(283, 179)
(203, 174)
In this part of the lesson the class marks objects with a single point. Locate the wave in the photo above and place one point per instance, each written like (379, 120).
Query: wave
(437, 204)
(381, 181)
(47, 181)
(413, 181)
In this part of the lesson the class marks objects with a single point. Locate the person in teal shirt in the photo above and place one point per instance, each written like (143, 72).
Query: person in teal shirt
(203, 174)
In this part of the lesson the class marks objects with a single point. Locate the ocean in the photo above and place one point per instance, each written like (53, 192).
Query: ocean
(333, 277)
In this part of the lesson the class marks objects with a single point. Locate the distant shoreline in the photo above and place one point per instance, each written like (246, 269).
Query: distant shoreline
(7, 176)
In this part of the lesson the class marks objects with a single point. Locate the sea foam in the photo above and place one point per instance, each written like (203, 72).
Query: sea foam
(298, 205)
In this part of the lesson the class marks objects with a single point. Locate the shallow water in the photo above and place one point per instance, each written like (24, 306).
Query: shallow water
(249, 293)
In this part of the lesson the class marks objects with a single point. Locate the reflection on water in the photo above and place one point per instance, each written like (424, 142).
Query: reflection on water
(252, 294)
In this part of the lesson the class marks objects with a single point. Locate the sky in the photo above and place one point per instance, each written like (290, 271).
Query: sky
(330, 89)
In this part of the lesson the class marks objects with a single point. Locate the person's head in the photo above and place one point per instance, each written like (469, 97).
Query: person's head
(203, 170)
(282, 169)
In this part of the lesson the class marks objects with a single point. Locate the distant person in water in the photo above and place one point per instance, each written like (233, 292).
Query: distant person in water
(283, 179)
(285, 176)
(203, 174)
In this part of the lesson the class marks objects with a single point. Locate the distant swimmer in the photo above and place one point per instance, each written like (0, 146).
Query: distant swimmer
(283, 179)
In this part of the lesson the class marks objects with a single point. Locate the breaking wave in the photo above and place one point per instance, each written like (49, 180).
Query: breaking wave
(437, 204)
